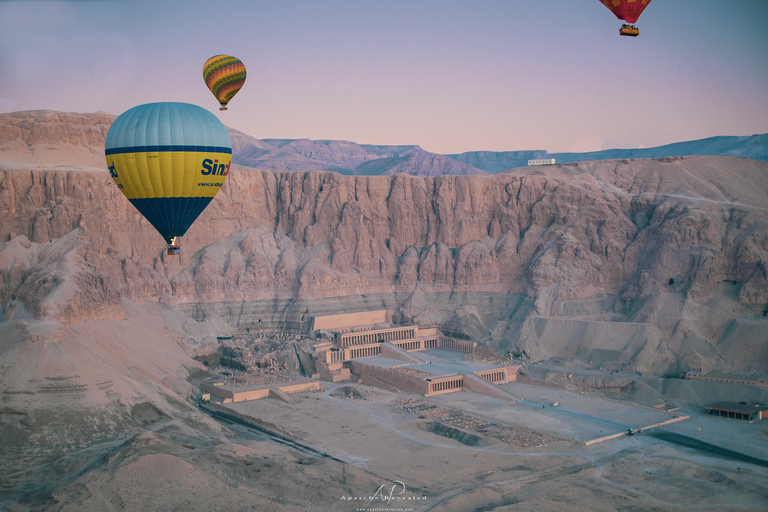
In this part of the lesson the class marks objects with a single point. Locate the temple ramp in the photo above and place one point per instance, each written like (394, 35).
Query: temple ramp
(391, 350)
(281, 395)
(479, 385)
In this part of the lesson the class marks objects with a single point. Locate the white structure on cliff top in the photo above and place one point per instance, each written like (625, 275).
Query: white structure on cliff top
(542, 161)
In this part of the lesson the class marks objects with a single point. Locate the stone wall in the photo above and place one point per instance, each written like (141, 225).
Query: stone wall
(348, 321)
(391, 376)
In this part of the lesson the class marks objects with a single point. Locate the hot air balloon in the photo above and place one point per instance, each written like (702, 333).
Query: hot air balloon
(169, 160)
(629, 11)
(224, 75)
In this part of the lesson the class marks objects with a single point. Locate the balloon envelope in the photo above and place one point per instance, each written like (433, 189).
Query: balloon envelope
(169, 160)
(627, 10)
(224, 75)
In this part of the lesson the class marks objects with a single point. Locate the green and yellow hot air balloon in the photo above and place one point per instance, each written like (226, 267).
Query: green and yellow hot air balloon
(224, 75)
(169, 160)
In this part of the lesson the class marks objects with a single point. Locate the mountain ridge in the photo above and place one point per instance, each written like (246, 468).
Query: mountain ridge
(86, 133)
(751, 146)
(413, 160)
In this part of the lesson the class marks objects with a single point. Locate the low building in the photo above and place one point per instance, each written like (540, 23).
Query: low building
(738, 410)
(226, 393)
(542, 161)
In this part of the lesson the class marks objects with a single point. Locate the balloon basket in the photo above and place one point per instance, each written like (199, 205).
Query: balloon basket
(629, 30)
(223, 108)
(172, 247)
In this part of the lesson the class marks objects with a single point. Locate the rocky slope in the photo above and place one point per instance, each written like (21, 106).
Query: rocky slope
(660, 264)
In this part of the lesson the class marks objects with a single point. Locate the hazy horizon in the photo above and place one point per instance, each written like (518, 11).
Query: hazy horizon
(447, 76)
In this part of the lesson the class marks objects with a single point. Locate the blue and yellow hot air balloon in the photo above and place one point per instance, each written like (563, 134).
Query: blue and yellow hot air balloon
(169, 159)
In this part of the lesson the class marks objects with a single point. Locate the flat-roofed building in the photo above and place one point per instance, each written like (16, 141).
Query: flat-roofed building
(348, 322)
(738, 410)
(542, 161)
(226, 393)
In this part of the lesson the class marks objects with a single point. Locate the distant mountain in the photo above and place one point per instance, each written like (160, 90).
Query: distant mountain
(307, 155)
(416, 162)
(339, 155)
(342, 156)
(498, 161)
(367, 160)
(23, 141)
(754, 147)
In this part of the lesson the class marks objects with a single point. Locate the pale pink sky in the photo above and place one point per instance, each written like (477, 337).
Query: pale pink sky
(450, 76)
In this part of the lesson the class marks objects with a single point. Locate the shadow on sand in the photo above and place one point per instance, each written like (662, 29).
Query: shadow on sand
(710, 449)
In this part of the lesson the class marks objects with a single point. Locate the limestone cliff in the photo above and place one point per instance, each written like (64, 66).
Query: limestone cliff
(659, 263)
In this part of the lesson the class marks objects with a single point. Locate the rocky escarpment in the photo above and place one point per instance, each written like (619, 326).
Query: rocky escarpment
(75, 247)
(45, 138)
(660, 263)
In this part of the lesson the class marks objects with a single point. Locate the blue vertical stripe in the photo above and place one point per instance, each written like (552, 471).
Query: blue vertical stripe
(171, 216)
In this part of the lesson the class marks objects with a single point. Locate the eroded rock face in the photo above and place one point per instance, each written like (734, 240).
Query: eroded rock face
(642, 232)
(295, 231)
(44, 137)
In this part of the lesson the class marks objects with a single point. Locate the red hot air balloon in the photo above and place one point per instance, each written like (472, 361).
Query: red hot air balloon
(629, 11)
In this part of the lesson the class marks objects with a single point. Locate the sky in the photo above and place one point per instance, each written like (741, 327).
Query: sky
(447, 75)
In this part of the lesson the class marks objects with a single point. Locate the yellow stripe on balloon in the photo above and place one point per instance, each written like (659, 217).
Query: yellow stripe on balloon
(195, 174)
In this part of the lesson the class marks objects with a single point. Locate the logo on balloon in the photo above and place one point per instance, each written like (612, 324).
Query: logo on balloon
(112, 170)
(214, 168)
